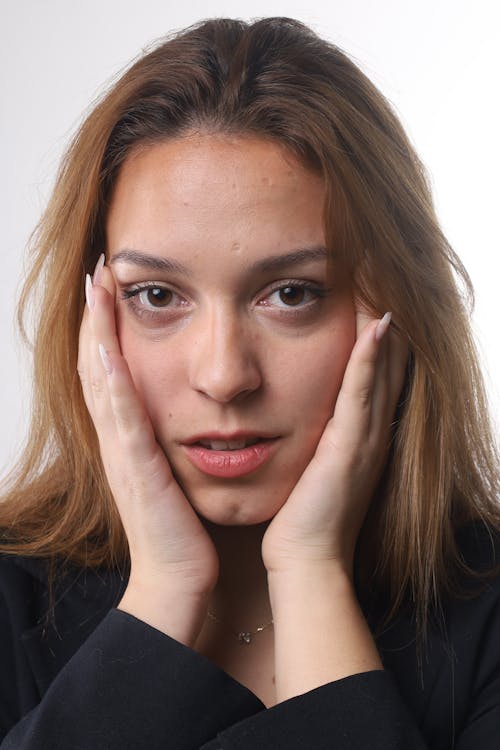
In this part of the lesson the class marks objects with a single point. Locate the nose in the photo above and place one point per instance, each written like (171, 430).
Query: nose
(224, 361)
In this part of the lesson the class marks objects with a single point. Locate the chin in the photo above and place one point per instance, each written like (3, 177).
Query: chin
(224, 509)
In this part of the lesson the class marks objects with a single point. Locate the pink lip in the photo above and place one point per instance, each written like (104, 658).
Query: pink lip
(230, 463)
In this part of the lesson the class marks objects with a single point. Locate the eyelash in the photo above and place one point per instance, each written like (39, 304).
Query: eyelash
(318, 293)
(129, 296)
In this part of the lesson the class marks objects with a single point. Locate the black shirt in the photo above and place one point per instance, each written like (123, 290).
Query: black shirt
(85, 676)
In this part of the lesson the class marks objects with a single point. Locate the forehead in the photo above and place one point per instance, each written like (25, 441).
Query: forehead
(231, 164)
(214, 189)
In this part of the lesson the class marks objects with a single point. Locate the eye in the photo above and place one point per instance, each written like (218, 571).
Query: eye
(294, 294)
(291, 295)
(152, 298)
(155, 296)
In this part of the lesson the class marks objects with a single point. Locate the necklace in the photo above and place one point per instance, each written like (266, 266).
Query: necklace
(244, 637)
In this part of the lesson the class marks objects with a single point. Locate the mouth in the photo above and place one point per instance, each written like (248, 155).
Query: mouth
(229, 456)
(228, 445)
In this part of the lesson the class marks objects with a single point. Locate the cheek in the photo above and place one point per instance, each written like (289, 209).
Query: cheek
(314, 382)
(156, 373)
(307, 375)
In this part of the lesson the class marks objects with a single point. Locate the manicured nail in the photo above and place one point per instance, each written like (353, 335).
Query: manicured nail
(383, 325)
(89, 292)
(96, 278)
(106, 362)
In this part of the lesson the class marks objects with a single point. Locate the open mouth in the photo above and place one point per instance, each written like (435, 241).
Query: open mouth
(231, 458)
(228, 445)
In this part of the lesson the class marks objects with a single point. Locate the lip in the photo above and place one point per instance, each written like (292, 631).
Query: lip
(230, 463)
(228, 436)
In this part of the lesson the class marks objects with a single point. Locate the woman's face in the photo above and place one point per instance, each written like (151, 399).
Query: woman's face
(236, 336)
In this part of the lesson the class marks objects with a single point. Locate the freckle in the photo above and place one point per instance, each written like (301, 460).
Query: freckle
(170, 415)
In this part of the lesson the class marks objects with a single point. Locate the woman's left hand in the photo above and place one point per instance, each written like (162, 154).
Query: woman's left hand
(321, 520)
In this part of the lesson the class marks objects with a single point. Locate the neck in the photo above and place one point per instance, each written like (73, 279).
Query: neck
(241, 596)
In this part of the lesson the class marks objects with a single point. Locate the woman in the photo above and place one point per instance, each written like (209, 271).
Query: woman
(264, 512)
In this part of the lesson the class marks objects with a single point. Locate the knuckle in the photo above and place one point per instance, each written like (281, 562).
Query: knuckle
(97, 386)
(124, 423)
(131, 425)
(364, 396)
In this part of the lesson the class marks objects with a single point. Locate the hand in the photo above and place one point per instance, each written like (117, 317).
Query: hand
(321, 520)
(173, 561)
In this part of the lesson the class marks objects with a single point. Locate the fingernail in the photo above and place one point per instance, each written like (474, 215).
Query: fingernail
(96, 278)
(383, 325)
(106, 362)
(89, 292)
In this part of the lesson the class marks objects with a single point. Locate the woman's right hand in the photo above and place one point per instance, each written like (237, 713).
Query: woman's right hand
(174, 565)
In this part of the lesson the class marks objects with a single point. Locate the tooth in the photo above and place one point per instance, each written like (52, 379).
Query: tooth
(225, 445)
(206, 443)
(236, 444)
(218, 445)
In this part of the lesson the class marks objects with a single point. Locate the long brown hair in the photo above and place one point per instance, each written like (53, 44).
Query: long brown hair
(275, 79)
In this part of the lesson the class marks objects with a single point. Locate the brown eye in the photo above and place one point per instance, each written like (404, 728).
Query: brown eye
(156, 296)
(292, 295)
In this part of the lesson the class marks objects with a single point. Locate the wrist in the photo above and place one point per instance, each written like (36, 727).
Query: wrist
(319, 629)
(309, 595)
(177, 614)
(298, 575)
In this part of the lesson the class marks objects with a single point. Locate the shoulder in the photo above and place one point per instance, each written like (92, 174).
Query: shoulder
(479, 545)
(34, 589)
(16, 567)
(472, 602)
(21, 578)
(478, 581)
(447, 673)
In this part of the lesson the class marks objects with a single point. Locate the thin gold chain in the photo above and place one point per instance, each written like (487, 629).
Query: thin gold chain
(243, 637)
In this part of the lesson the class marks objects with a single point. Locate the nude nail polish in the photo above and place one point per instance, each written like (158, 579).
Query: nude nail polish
(383, 325)
(89, 292)
(97, 276)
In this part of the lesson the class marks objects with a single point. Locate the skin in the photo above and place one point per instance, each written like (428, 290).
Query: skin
(232, 353)
(229, 358)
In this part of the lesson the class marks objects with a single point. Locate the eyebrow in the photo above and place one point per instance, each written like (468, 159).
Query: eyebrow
(153, 262)
(294, 258)
(272, 263)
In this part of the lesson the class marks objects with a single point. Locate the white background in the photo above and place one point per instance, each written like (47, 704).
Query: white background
(438, 62)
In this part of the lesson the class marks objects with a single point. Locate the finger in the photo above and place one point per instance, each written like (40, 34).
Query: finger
(363, 317)
(103, 313)
(98, 323)
(82, 364)
(352, 414)
(103, 333)
(85, 368)
(147, 471)
(85, 333)
(389, 373)
(389, 379)
(119, 403)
